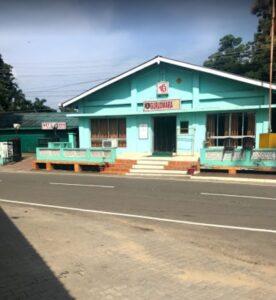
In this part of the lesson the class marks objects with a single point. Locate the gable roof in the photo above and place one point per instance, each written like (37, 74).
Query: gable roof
(34, 120)
(158, 60)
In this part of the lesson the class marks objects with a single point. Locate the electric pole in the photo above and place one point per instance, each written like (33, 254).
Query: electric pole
(271, 66)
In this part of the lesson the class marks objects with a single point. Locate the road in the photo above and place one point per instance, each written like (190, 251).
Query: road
(99, 237)
(211, 203)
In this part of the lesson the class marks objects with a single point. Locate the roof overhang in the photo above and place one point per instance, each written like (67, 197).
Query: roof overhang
(158, 60)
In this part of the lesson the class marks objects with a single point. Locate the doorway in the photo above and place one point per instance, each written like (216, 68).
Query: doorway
(164, 135)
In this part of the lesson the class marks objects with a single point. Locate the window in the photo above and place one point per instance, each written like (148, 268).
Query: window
(238, 128)
(184, 127)
(108, 129)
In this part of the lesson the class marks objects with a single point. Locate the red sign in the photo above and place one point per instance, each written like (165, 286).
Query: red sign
(52, 125)
(162, 105)
(162, 88)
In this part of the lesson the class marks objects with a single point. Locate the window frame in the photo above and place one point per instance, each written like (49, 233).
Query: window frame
(238, 140)
(184, 127)
(117, 134)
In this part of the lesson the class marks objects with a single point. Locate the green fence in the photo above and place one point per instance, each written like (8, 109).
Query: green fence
(89, 155)
(238, 157)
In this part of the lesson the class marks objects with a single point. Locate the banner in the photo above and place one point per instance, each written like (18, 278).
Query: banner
(161, 105)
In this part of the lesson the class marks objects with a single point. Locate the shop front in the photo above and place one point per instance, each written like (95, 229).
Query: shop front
(167, 107)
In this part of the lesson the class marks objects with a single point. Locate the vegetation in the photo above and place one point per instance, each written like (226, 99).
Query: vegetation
(11, 96)
(249, 59)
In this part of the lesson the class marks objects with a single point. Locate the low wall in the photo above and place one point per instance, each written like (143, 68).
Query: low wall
(92, 155)
(238, 158)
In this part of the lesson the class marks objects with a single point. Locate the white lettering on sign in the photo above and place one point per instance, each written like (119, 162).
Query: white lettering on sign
(52, 125)
(162, 88)
(161, 105)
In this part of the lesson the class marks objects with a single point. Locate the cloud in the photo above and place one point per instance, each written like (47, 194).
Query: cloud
(54, 43)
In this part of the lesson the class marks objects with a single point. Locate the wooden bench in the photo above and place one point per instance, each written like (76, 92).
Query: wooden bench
(77, 165)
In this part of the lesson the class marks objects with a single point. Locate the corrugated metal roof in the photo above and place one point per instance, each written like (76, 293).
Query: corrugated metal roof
(34, 120)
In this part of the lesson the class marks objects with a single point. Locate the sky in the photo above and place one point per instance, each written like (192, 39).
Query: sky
(61, 48)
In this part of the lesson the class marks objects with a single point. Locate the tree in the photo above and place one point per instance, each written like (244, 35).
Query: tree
(232, 55)
(11, 96)
(39, 105)
(261, 44)
(248, 59)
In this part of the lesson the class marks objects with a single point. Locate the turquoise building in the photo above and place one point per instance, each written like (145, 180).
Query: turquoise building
(168, 106)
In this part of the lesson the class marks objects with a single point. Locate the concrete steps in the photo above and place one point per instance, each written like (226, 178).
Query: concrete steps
(159, 174)
(148, 167)
(152, 162)
(157, 171)
(156, 166)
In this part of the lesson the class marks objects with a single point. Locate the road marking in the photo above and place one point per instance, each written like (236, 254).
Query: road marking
(238, 196)
(140, 216)
(87, 185)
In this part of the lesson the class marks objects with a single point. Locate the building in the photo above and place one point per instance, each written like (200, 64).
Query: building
(36, 129)
(164, 106)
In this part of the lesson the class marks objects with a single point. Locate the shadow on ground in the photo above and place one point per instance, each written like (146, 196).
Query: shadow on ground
(23, 273)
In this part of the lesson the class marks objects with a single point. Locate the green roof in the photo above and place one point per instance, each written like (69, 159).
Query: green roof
(34, 120)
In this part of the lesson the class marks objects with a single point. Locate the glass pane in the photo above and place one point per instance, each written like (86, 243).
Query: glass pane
(211, 125)
(122, 143)
(122, 128)
(184, 127)
(103, 128)
(113, 128)
(249, 124)
(236, 124)
(223, 124)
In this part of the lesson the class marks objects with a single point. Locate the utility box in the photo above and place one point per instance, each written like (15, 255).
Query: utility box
(267, 140)
(6, 152)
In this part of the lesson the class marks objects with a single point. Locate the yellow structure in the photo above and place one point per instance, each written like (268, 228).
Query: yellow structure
(267, 140)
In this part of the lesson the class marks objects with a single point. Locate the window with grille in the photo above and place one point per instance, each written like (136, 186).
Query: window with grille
(102, 129)
(184, 127)
(237, 127)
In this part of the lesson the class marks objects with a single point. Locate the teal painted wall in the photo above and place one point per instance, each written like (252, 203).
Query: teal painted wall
(30, 138)
(84, 132)
(199, 93)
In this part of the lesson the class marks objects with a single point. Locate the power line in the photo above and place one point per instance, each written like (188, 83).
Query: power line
(229, 53)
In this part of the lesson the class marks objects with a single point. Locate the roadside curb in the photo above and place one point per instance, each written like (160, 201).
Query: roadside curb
(199, 178)
(234, 179)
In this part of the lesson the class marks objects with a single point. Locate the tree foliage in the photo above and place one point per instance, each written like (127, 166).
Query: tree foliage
(249, 59)
(11, 96)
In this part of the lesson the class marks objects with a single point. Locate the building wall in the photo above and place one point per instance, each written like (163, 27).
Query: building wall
(30, 139)
(199, 93)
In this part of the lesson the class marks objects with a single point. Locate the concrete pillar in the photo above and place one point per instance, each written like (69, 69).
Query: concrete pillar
(195, 90)
(85, 132)
(72, 139)
(134, 95)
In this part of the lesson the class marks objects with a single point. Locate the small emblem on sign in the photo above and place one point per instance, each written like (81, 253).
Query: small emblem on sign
(162, 88)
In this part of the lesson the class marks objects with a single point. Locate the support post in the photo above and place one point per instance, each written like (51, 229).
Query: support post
(77, 168)
(271, 66)
(49, 166)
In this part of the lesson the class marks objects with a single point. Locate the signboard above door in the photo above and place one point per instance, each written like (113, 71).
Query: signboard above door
(162, 88)
(173, 104)
(53, 125)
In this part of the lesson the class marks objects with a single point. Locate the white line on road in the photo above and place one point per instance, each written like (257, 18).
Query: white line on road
(238, 196)
(140, 217)
(87, 185)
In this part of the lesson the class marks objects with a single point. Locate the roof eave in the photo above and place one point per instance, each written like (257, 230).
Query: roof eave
(159, 59)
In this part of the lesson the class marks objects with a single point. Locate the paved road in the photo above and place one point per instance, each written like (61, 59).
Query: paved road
(56, 253)
(225, 204)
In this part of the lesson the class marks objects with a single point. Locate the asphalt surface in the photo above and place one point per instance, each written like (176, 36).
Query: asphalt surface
(212, 203)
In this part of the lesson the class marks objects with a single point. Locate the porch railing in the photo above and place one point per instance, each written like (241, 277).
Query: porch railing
(92, 155)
